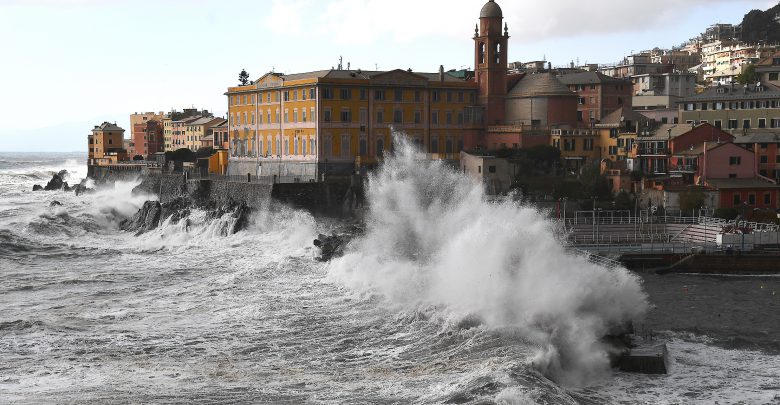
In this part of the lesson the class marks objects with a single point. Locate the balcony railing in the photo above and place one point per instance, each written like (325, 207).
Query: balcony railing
(652, 151)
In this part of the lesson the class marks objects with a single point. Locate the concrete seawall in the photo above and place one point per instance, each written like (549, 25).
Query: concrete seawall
(325, 198)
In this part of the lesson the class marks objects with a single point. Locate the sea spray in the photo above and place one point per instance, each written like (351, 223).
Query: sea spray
(433, 239)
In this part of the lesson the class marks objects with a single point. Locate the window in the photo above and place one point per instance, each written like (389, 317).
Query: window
(435, 117)
(268, 97)
(326, 115)
(363, 146)
(732, 124)
(613, 150)
(764, 159)
(303, 115)
(295, 97)
(737, 200)
(569, 144)
(380, 117)
(735, 160)
(732, 175)
(311, 93)
(435, 96)
(363, 94)
(751, 199)
(773, 77)
(587, 144)
(287, 95)
(449, 96)
(762, 122)
(460, 97)
(295, 116)
(448, 117)
(379, 95)
(746, 124)
(491, 169)
(460, 118)
(718, 124)
(418, 117)
(303, 96)
(346, 115)
(417, 95)
(327, 93)
(399, 95)
(581, 101)
(767, 198)
(346, 94)
(398, 116)
(579, 116)
(286, 115)
(434, 145)
(363, 116)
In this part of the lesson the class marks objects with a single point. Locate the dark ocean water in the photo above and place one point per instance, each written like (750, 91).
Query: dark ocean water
(90, 314)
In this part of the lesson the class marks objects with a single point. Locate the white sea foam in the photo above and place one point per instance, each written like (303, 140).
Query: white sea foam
(432, 239)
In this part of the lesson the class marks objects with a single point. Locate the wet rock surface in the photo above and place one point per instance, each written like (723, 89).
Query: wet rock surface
(333, 245)
(146, 219)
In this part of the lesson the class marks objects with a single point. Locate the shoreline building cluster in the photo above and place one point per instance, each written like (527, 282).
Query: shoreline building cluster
(658, 123)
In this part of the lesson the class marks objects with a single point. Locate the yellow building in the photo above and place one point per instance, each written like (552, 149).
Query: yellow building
(106, 144)
(612, 139)
(328, 122)
(195, 131)
(174, 129)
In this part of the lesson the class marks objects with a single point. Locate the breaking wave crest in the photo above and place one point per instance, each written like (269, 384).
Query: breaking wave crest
(433, 240)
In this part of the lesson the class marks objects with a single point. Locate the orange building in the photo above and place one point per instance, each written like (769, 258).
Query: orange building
(328, 122)
(106, 144)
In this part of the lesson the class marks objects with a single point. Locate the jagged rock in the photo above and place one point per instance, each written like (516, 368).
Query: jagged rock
(80, 189)
(333, 246)
(177, 209)
(55, 203)
(55, 183)
(239, 211)
(65, 186)
(146, 219)
(37, 187)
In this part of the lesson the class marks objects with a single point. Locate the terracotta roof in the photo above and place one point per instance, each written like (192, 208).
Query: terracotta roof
(540, 84)
(107, 126)
(769, 61)
(759, 136)
(737, 92)
(589, 78)
(621, 115)
(754, 182)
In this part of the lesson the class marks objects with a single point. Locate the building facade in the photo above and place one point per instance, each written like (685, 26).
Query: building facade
(734, 107)
(106, 144)
(598, 95)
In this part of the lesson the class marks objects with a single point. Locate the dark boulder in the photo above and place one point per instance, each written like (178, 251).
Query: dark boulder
(37, 187)
(80, 189)
(66, 187)
(146, 219)
(54, 184)
(331, 246)
(238, 211)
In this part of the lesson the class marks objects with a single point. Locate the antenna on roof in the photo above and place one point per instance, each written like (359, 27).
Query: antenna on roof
(341, 61)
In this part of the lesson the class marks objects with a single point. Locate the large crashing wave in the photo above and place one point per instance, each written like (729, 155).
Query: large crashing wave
(433, 239)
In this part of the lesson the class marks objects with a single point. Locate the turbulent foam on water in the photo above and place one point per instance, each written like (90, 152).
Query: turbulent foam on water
(432, 239)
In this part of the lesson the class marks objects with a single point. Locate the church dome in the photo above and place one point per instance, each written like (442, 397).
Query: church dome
(491, 10)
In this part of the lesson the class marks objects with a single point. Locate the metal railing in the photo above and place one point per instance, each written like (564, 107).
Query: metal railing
(194, 175)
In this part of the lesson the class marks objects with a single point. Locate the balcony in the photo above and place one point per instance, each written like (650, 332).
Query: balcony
(652, 151)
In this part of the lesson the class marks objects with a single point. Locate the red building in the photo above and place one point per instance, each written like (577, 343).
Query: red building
(766, 145)
(598, 95)
(148, 138)
(731, 170)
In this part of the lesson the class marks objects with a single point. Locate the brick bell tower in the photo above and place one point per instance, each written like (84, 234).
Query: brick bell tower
(490, 63)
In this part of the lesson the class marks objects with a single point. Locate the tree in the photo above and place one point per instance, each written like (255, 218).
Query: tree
(204, 152)
(180, 155)
(624, 201)
(138, 157)
(748, 75)
(594, 184)
(243, 77)
(691, 200)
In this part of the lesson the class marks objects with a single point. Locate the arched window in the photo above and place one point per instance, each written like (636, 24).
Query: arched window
(498, 53)
(363, 146)
(481, 52)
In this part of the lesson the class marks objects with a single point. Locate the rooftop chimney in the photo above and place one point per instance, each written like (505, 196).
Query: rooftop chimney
(441, 73)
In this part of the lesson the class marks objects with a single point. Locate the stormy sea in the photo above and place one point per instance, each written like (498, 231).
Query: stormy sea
(445, 298)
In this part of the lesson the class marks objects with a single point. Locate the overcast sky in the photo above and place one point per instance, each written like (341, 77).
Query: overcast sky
(66, 65)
